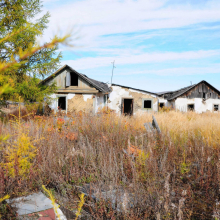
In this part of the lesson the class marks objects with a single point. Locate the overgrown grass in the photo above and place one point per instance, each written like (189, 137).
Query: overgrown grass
(175, 175)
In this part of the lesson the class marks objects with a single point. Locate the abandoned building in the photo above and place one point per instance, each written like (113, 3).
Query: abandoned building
(77, 92)
(200, 97)
(130, 101)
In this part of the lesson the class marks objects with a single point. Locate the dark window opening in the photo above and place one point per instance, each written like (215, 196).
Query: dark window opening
(74, 79)
(148, 104)
(62, 103)
(191, 107)
(127, 106)
(216, 108)
(161, 105)
(203, 96)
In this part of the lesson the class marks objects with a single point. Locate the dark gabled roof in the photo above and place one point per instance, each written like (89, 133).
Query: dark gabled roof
(127, 87)
(175, 94)
(103, 87)
(163, 93)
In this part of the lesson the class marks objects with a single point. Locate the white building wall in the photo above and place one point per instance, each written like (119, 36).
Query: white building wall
(162, 100)
(54, 100)
(99, 102)
(118, 93)
(199, 105)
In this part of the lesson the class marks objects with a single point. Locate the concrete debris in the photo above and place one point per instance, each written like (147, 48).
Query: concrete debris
(35, 206)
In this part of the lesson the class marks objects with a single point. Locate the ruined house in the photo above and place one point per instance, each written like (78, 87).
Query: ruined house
(200, 97)
(129, 101)
(77, 92)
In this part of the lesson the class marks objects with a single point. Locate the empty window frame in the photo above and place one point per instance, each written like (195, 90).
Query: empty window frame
(74, 79)
(191, 107)
(147, 104)
(216, 108)
(127, 106)
(62, 102)
(161, 105)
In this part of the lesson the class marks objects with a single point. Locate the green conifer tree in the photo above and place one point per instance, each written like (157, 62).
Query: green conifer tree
(17, 20)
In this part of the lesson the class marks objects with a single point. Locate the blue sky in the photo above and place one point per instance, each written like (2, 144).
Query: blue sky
(157, 45)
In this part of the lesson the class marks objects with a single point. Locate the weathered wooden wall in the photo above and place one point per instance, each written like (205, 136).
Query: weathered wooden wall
(83, 87)
(198, 91)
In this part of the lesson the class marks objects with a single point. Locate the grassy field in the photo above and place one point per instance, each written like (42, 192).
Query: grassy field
(172, 175)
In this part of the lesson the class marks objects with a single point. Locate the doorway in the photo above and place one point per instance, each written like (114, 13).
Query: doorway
(161, 104)
(62, 103)
(127, 106)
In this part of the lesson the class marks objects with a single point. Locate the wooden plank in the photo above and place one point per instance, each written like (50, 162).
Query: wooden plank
(84, 91)
(132, 106)
(155, 124)
(200, 88)
(68, 79)
(204, 88)
(148, 127)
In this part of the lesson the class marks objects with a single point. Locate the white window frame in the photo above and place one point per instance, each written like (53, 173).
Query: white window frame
(61, 95)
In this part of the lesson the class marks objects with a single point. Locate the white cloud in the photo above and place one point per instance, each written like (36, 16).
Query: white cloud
(95, 62)
(112, 16)
(181, 71)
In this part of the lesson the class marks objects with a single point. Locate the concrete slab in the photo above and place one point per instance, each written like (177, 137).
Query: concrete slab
(35, 203)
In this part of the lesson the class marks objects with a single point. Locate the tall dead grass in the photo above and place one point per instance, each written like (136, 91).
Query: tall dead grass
(176, 175)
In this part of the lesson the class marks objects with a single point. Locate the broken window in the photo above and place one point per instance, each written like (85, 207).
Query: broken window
(191, 107)
(71, 79)
(147, 104)
(74, 79)
(62, 103)
(127, 106)
(216, 108)
(161, 105)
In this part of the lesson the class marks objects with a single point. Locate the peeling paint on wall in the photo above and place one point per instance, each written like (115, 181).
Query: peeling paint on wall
(78, 103)
(70, 96)
(85, 97)
(118, 93)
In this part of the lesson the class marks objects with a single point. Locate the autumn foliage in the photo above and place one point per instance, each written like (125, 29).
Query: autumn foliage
(174, 174)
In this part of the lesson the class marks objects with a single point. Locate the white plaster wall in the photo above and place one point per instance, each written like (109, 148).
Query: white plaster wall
(200, 106)
(99, 102)
(54, 102)
(162, 100)
(115, 98)
(85, 97)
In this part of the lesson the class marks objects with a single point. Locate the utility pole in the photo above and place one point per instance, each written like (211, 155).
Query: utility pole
(113, 67)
